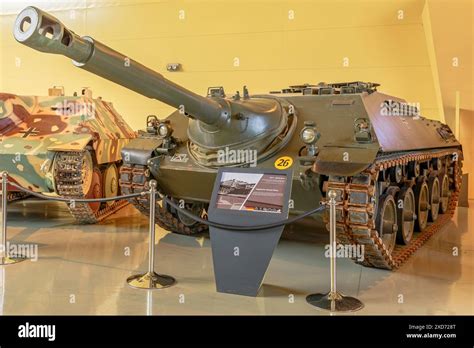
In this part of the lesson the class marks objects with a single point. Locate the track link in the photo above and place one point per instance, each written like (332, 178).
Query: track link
(15, 196)
(68, 179)
(135, 179)
(355, 212)
(356, 197)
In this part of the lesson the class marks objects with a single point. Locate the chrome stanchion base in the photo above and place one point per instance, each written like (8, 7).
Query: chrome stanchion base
(150, 281)
(334, 302)
(8, 260)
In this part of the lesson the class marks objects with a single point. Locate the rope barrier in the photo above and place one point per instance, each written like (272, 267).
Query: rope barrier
(150, 279)
(241, 228)
(77, 200)
(174, 205)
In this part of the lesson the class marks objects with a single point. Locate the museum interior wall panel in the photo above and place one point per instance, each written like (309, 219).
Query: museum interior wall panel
(278, 44)
(453, 50)
(311, 48)
(2, 45)
(466, 135)
(454, 77)
(259, 45)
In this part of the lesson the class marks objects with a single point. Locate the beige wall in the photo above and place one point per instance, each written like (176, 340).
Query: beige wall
(452, 30)
(274, 50)
(385, 41)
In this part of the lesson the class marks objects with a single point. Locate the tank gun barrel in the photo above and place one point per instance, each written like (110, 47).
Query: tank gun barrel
(43, 32)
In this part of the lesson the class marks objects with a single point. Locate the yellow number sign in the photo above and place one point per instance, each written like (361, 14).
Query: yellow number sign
(284, 162)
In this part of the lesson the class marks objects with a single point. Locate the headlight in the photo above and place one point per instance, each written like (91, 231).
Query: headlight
(308, 135)
(163, 130)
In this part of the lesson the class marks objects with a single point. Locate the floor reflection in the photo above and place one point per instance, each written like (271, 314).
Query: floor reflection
(83, 270)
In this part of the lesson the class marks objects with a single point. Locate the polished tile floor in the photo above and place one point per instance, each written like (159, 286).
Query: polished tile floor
(82, 270)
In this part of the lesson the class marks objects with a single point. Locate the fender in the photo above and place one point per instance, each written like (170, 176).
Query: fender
(344, 161)
(140, 150)
(67, 143)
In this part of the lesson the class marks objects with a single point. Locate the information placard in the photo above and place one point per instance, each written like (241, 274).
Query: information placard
(246, 197)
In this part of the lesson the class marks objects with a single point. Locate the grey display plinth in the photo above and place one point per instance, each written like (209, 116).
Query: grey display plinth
(241, 258)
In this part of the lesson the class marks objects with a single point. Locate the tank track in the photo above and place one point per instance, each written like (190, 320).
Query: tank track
(355, 213)
(16, 196)
(135, 179)
(68, 181)
(356, 209)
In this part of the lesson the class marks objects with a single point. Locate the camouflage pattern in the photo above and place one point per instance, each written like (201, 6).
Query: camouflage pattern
(33, 129)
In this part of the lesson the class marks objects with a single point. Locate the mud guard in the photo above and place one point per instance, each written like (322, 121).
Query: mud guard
(344, 161)
(77, 144)
(140, 150)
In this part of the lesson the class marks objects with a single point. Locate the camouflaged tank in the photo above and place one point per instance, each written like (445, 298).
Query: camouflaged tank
(64, 145)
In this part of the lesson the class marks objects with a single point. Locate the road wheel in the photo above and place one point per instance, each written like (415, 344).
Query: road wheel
(444, 196)
(422, 205)
(405, 215)
(111, 182)
(433, 186)
(96, 189)
(386, 222)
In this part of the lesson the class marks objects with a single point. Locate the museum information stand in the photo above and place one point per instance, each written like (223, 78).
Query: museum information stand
(246, 197)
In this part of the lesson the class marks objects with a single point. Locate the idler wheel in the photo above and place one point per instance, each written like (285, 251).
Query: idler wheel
(444, 196)
(96, 190)
(168, 207)
(196, 209)
(386, 221)
(422, 205)
(405, 215)
(434, 188)
(111, 182)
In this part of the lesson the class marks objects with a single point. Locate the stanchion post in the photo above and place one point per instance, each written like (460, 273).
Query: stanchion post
(4, 212)
(332, 240)
(6, 259)
(151, 246)
(150, 279)
(333, 301)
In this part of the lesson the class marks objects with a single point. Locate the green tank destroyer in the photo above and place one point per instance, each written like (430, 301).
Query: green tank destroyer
(64, 145)
(396, 173)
